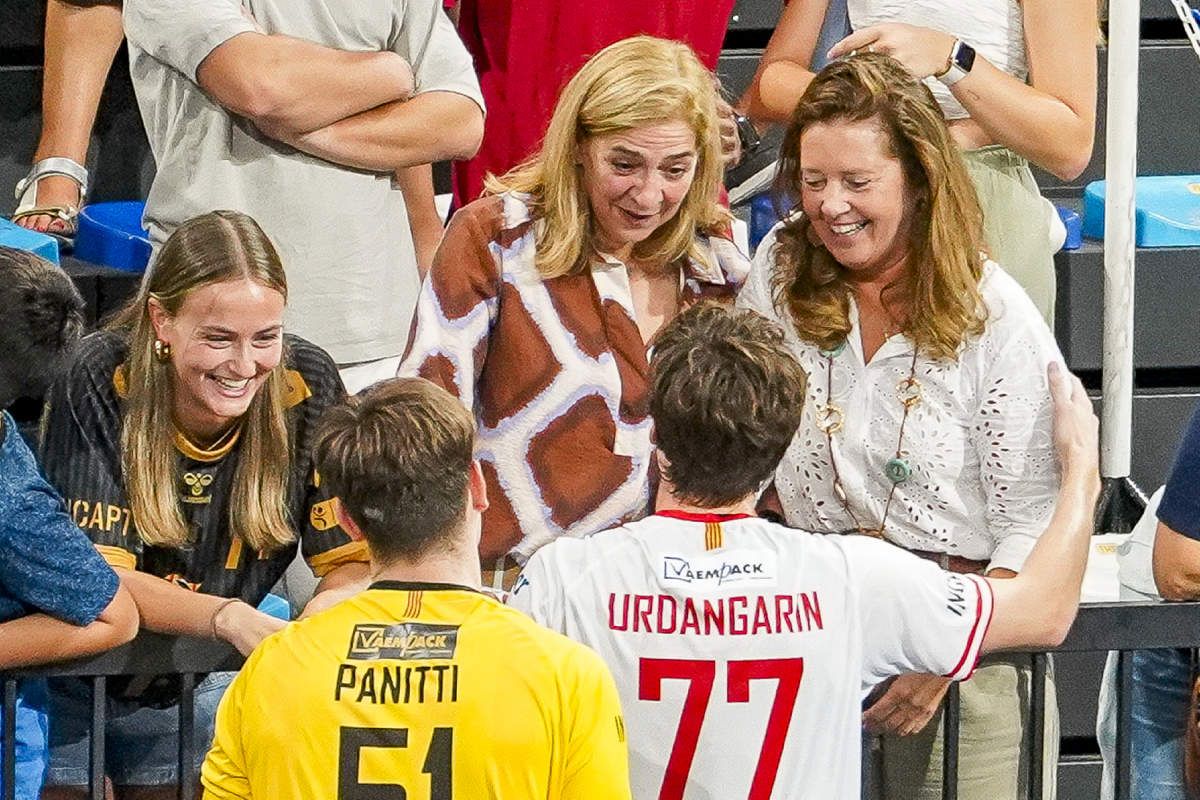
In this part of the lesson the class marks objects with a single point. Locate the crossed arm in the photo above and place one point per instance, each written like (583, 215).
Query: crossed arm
(434, 126)
(349, 108)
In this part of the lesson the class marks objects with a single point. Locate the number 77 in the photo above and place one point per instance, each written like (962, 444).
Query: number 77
(701, 675)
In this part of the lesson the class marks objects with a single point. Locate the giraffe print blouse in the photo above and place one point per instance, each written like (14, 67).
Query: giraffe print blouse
(554, 370)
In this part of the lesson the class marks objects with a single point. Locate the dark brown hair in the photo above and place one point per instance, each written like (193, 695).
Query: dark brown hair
(398, 456)
(43, 318)
(942, 301)
(726, 398)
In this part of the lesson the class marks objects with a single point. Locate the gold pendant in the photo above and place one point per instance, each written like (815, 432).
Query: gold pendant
(909, 391)
(829, 419)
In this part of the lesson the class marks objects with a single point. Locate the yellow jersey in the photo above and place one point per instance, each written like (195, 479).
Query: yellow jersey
(418, 691)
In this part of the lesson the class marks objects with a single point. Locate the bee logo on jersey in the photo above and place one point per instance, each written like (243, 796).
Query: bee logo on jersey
(197, 483)
(701, 571)
(404, 641)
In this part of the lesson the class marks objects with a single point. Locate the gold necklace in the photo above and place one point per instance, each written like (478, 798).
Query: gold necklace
(830, 418)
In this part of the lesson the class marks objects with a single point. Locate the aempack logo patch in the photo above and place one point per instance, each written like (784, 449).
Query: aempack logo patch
(719, 570)
(404, 641)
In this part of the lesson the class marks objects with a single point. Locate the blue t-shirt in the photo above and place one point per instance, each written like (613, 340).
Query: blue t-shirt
(47, 564)
(1180, 506)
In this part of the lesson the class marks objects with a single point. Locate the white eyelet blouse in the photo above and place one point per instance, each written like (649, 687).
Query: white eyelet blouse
(984, 474)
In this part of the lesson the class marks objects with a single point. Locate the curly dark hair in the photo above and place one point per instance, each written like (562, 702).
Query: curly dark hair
(726, 398)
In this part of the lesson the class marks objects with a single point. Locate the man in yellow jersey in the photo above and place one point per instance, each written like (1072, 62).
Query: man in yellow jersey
(421, 687)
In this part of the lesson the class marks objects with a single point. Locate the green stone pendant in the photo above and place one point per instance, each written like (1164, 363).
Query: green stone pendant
(834, 351)
(897, 470)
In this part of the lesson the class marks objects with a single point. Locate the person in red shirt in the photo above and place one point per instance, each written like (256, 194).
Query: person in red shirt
(526, 50)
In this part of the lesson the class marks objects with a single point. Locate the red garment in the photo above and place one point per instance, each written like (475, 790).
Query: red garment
(526, 50)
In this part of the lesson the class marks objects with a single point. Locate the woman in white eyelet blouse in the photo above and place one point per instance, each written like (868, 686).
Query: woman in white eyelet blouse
(879, 280)
(979, 442)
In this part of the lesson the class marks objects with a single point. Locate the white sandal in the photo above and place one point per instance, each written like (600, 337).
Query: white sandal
(26, 193)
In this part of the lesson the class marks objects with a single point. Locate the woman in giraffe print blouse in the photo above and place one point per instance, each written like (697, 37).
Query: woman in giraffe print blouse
(546, 293)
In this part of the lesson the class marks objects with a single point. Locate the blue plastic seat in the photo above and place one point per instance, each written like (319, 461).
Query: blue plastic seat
(1166, 210)
(13, 235)
(112, 234)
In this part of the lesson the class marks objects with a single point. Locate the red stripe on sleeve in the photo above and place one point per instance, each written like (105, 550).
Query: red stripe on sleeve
(986, 625)
(972, 644)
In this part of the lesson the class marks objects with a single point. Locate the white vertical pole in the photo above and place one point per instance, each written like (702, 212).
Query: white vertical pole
(1120, 168)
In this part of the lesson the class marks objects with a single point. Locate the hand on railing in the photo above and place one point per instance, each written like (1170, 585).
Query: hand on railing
(907, 705)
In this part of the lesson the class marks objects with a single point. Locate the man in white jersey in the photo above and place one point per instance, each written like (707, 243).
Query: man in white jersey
(743, 649)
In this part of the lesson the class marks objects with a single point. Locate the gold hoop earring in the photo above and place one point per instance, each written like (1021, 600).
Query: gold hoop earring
(162, 351)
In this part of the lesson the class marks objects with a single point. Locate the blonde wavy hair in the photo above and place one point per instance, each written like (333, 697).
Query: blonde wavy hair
(634, 82)
(942, 304)
(215, 247)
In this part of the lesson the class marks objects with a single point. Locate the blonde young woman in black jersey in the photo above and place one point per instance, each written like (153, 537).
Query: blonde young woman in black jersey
(181, 441)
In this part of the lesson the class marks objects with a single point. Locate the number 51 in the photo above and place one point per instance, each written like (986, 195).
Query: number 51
(437, 764)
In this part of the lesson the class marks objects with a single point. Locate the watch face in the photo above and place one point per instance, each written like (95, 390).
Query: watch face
(964, 56)
(746, 132)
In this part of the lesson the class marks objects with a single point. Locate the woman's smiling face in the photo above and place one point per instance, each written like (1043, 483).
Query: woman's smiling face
(225, 340)
(855, 193)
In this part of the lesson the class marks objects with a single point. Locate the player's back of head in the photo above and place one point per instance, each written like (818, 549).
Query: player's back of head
(399, 458)
(726, 398)
(43, 318)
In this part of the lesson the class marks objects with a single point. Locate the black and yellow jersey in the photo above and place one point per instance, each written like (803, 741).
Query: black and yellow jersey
(81, 457)
(425, 691)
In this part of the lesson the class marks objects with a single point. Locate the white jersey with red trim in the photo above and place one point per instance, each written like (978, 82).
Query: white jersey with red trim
(743, 649)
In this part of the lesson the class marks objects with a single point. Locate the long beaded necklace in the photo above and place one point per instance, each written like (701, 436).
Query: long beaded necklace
(830, 418)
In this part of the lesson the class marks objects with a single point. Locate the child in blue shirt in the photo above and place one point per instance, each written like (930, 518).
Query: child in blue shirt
(58, 598)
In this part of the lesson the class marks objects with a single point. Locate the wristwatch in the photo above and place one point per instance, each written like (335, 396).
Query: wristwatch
(747, 133)
(962, 58)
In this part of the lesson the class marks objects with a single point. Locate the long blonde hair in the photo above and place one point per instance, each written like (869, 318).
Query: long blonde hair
(941, 287)
(215, 247)
(631, 83)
